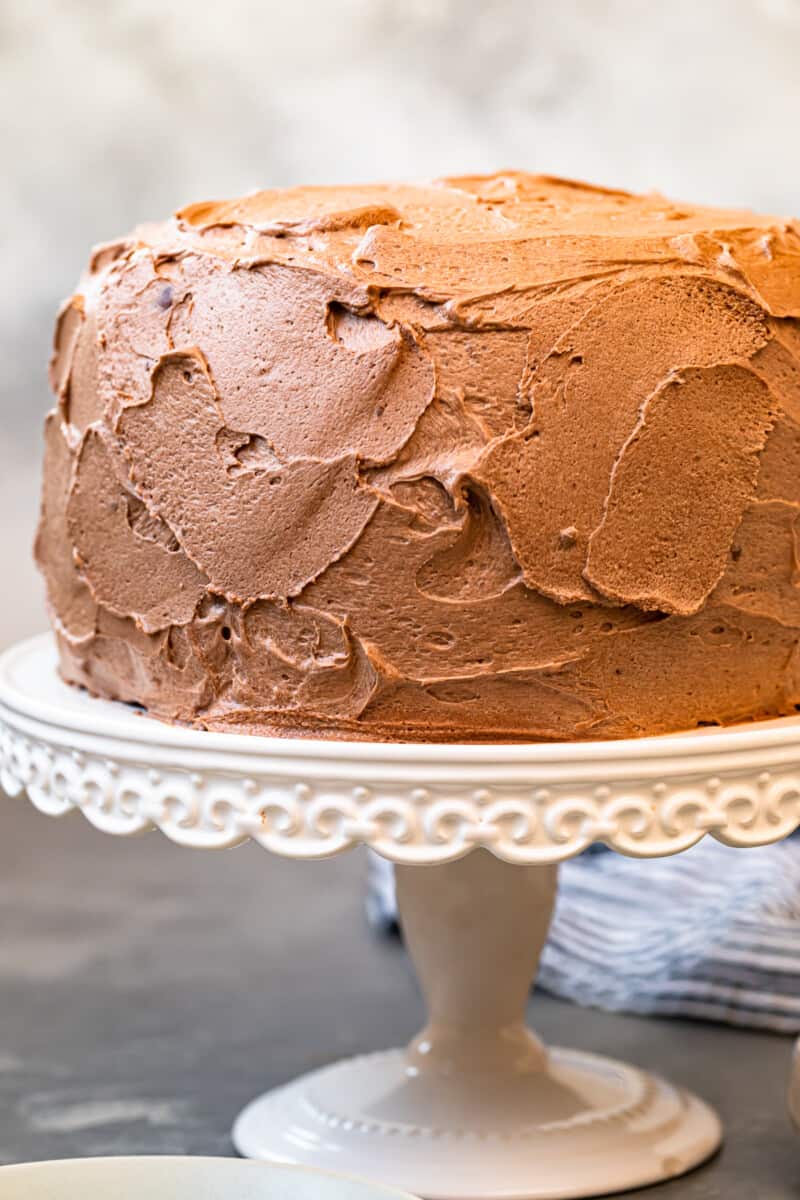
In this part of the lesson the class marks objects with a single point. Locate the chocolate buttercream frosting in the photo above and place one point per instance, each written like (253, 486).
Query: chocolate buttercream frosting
(502, 458)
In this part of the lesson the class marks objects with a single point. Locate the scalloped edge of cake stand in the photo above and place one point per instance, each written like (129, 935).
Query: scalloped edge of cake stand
(412, 803)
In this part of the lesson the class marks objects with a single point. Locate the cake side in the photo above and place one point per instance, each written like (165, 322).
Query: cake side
(496, 458)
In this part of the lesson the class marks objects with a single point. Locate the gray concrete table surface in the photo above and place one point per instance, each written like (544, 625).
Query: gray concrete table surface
(148, 992)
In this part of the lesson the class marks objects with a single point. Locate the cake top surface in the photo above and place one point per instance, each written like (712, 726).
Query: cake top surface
(533, 231)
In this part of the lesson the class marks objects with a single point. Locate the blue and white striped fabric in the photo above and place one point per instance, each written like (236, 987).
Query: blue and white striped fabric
(712, 933)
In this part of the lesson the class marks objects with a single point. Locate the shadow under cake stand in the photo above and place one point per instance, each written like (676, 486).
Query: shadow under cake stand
(476, 1106)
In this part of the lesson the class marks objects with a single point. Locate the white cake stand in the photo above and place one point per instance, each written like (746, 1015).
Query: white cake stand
(475, 1107)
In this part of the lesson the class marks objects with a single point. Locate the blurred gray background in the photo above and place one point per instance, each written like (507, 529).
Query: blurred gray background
(116, 111)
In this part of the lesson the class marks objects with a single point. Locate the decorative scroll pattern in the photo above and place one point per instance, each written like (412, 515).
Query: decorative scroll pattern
(303, 817)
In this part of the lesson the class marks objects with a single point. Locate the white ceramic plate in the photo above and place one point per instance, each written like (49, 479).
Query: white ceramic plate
(180, 1179)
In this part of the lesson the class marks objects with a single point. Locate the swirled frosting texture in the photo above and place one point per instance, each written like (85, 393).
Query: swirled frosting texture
(496, 458)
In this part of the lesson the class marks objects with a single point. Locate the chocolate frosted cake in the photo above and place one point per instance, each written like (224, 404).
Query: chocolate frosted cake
(491, 459)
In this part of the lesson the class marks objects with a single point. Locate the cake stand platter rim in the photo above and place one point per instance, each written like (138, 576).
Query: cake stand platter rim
(768, 734)
(415, 805)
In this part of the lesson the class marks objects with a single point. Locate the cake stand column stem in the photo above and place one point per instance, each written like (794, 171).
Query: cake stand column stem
(475, 929)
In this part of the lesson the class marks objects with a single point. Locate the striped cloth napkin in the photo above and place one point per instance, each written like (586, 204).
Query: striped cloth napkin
(713, 933)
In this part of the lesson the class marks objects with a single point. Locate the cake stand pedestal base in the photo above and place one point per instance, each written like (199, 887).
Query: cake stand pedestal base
(476, 1108)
